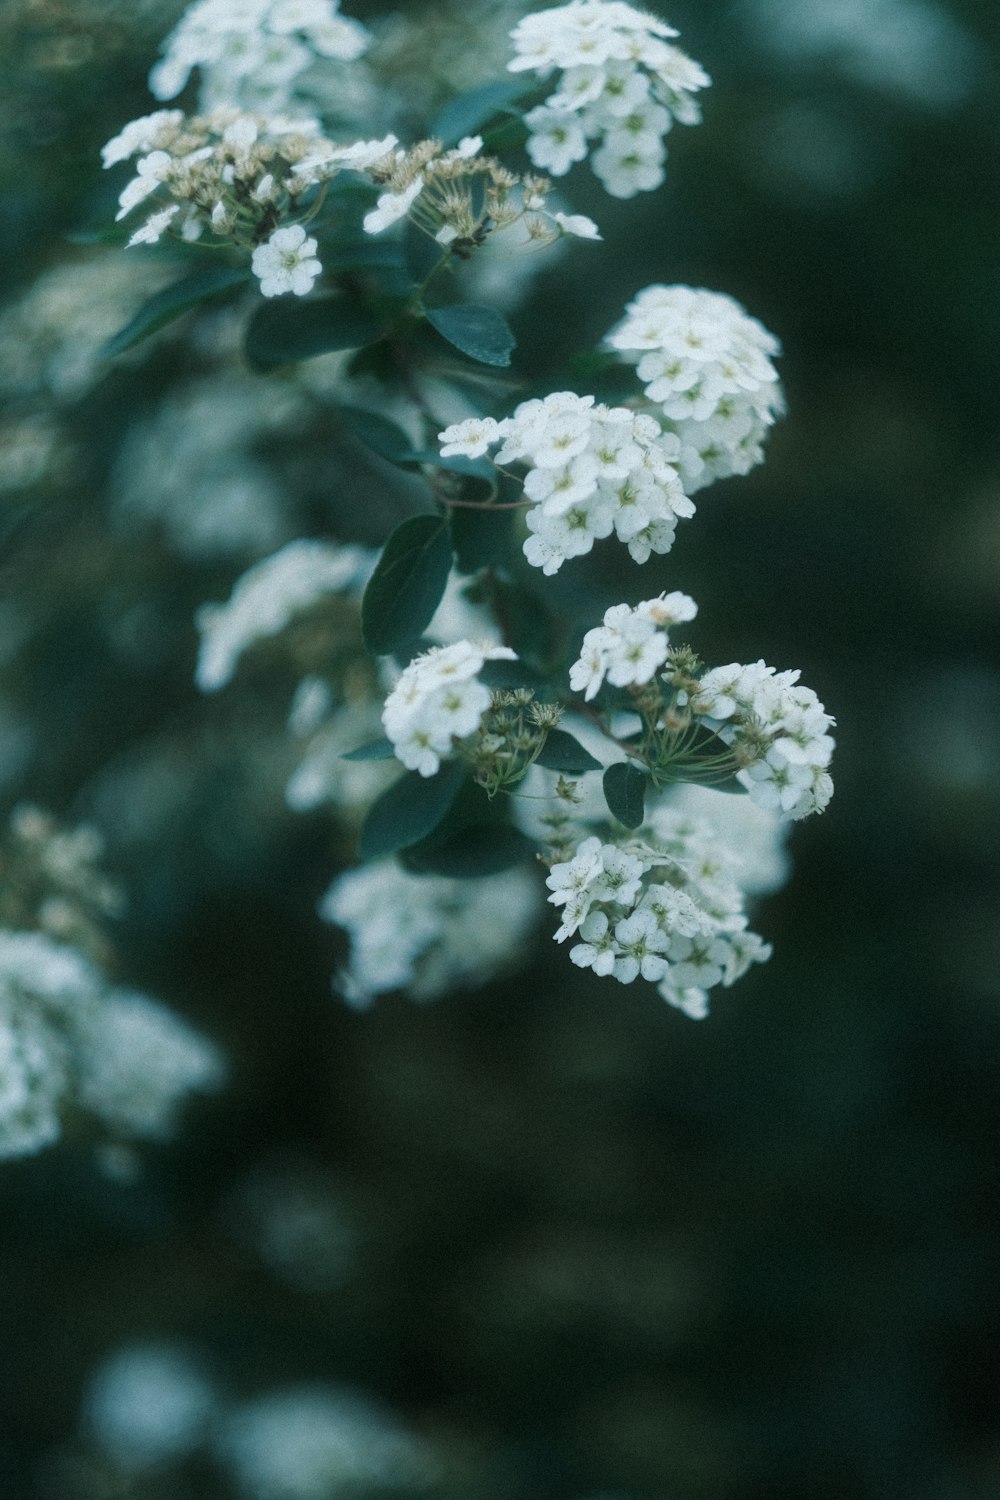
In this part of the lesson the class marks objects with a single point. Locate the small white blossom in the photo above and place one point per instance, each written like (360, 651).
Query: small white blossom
(783, 726)
(286, 263)
(630, 645)
(438, 700)
(392, 207)
(578, 225)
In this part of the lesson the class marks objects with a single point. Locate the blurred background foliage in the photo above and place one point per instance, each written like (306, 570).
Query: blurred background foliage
(590, 1248)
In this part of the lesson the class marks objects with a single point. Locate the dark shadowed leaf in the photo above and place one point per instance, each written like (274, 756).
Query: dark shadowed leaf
(376, 750)
(407, 585)
(625, 793)
(381, 436)
(287, 329)
(465, 114)
(174, 301)
(475, 850)
(411, 809)
(561, 752)
(480, 332)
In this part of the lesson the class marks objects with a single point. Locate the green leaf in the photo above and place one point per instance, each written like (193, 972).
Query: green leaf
(477, 849)
(561, 752)
(411, 809)
(407, 585)
(465, 114)
(286, 329)
(382, 749)
(174, 301)
(480, 332)
(625, 793)
(381, 436)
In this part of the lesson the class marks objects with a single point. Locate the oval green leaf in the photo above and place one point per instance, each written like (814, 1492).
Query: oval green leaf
(173, 302)
(625, 793)
(561, 752)
(375, 750)
(287, 329)
(411, 809)
(465, 114)
(407, 585)
(471, 852)
(480, 332)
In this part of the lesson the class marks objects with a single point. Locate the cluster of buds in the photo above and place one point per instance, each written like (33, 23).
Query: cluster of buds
(251, 181)
(50, 879)
(512, 735)
(460, 197)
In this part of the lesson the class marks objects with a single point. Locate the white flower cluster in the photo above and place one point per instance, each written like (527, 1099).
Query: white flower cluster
(707, 365)
(148, 1404)
(755, 705)
(427, 934)
(668, 911)
(437, 700)
(630, 645)
(268, 597)
(193, 468)
(67, 1039)
(251, 52)
(620, 83)
(319, 1442)
(236, 176)
(592, 469)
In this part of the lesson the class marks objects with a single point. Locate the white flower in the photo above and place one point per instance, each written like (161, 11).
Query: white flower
(151, 171)
(579, 225)
(630, 645)
(392, 207)
(591, 469)
(470, 438)
(268, 597)
(427, 933)
(557, 139)
(755, 706)
(249, 51)
(66, 1038)
(438, 700)
(153, 228)
(286, 263)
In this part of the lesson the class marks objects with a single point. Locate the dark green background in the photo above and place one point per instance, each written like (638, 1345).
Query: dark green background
(751, 1259)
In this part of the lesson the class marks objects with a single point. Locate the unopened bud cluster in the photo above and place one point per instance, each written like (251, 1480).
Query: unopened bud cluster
(460, 197)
